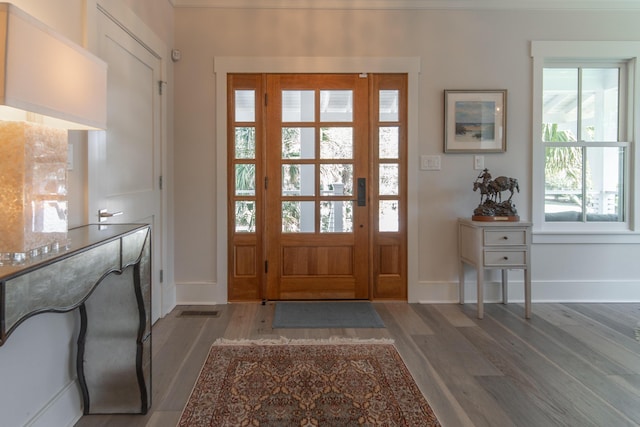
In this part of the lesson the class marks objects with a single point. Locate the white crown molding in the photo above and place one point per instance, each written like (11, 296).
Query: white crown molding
(599, 5)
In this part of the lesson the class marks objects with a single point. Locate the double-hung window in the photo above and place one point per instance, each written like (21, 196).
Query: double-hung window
(584, 130)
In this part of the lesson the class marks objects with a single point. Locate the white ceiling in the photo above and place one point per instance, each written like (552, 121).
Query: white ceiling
(600, 5)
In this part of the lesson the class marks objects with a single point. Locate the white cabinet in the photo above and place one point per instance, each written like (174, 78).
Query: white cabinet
(495, 245)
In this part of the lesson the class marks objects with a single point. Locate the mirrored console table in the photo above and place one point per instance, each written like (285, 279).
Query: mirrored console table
(105, 273)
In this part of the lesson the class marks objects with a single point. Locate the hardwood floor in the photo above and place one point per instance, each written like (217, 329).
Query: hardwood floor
(569, 365)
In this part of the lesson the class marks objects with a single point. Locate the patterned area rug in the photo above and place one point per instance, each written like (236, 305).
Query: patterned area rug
(306, 383)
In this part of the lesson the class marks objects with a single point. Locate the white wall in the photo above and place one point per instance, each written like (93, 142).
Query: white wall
(35, 363)
(458, 50)
(38, 385)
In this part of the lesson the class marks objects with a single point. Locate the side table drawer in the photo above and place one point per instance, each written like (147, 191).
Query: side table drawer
(505, 258)
(505, 237)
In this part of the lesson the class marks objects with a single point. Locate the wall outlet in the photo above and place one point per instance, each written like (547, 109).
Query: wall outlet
(478, 162)
(430, 163)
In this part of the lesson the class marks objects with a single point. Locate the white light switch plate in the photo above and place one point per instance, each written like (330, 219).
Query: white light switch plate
(478, 162)
(430, 163)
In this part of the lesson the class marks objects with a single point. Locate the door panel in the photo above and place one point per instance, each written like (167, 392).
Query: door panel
(317, 178)
(388, 121)
(245, 166)
(124, 161)
(317, 237)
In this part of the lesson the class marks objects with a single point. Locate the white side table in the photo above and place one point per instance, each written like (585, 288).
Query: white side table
(495, 245)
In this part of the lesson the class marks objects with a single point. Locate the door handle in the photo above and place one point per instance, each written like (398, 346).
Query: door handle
(362, 192)
(104, 214)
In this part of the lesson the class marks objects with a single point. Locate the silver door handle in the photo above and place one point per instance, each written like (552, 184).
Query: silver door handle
(104, 215)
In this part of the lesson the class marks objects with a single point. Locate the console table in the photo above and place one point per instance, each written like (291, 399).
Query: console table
(495, 245)
(105, 273)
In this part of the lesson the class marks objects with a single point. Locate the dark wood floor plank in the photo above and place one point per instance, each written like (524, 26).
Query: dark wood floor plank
(451, 348)
(188, 370)
(457, 362)
(561, 335)
(612, 328)
(537, 335)
(551, 389)
(430, 382)
(454, 315)
(620, 354)
(521, 407)
(630, 309)
(617, 313)
(522, 378)
(478, 404)
(555, 314)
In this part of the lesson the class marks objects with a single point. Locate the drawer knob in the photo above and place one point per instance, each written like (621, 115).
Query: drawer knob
(506, 237)
(506, 258)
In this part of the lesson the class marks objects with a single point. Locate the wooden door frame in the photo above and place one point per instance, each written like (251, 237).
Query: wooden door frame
(317, 65)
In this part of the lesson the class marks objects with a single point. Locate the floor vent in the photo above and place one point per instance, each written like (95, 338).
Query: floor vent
(199, 313)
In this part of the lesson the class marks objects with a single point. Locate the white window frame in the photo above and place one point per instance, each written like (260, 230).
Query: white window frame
(569, 52)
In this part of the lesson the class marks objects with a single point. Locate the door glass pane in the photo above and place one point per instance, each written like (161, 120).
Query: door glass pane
(599, 104)
(563, 184)
(336, 105)
(298, 217)
(336, 179)
(389, 105)
(388, 216)
(298, 143)
(245, 143)
(298, 180)
(336, 217)
(336, 143)
(245, 179)
(298, 105)
(245, 105)
(388, 142)
(560, 104)
(245, 217)
(388, 180)
(605, 195)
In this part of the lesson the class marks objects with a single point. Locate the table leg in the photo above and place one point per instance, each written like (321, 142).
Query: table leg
(527, 293)
(461, 282)
(480, 273)
(505, 286)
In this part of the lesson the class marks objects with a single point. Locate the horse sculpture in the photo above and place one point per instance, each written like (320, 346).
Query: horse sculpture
(491, 189)
(491, 204)
(485, 191)
(503, 183)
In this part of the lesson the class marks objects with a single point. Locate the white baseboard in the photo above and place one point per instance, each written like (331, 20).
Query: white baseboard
(601, 291)
(64, 409)
(198, 293)
(425, 292)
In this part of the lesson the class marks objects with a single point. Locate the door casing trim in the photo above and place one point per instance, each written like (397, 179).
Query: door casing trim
(223, 65)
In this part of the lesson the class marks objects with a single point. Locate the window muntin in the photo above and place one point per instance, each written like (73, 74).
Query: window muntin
(244, 161)
(584, 154)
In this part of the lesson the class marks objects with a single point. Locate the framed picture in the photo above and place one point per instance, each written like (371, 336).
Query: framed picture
(475, 121)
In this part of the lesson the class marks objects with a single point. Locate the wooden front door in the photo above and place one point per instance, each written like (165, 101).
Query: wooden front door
(317, 215)
(317, 175)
